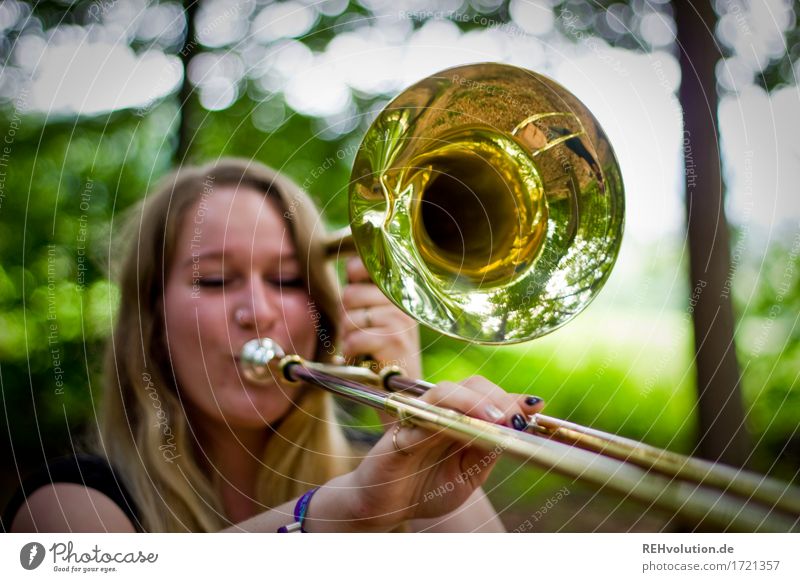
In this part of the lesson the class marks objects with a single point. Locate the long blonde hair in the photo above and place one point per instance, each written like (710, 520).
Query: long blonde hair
(144, 430)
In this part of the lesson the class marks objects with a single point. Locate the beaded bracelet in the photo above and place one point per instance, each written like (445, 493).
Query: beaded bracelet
(299, 513)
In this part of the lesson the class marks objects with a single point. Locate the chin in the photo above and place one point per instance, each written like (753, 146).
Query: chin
(259, 408)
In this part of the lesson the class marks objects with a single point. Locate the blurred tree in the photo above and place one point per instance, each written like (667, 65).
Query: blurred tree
(187, 52)
(722, 428)
(723, 432)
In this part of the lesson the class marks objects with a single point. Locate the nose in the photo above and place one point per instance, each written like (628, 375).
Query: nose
(258, 308)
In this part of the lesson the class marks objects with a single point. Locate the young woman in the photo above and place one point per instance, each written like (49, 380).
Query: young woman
(220, 255)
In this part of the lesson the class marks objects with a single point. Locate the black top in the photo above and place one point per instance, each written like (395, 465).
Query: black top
(87, 470)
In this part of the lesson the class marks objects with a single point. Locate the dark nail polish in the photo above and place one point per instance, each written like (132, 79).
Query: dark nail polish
(532, 400)
(519, 422)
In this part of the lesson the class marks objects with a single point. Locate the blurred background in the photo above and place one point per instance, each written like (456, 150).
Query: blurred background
(694, 344)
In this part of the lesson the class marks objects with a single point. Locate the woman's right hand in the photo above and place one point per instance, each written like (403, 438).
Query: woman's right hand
(428, 474)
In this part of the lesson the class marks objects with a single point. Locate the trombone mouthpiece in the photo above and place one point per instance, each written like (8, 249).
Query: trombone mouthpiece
(258, 356)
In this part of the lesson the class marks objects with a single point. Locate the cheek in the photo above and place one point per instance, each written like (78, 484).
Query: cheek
(299, 313)
(191, 316)
(179, 320)
(181, 332)
(192, 326)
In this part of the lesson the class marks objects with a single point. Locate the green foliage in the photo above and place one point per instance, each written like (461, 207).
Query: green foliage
(65, 184)
(768, 297)
(322, 167)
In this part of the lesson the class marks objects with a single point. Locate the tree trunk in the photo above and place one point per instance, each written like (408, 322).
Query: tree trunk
(189, 49)
(723, 435)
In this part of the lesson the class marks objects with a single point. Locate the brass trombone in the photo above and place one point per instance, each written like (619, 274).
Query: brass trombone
(487, 203)
(697, 490)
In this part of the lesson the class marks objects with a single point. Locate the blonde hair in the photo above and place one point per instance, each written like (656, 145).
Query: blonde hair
(144, 430)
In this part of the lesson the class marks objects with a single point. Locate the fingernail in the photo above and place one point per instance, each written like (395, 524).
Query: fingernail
(532, 400)
(518, 421)
(494, 412)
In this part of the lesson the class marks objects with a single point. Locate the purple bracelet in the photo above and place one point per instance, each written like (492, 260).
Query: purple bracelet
(299, 513)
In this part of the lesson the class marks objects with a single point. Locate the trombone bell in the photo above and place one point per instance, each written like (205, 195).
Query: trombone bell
(486, 202)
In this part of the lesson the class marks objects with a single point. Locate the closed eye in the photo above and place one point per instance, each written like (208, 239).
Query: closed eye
(292, 283)
(212, 282)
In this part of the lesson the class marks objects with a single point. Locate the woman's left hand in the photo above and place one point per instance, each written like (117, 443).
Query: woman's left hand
(372, 325)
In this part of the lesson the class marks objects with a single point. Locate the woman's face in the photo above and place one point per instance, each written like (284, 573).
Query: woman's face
(235, 277)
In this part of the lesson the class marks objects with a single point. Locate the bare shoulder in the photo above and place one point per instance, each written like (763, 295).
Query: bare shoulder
(69, 507)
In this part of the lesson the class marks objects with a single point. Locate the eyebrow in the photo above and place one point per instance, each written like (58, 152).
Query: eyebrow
(222, 255)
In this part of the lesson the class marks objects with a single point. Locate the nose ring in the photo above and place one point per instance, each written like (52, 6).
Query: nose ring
(240, 316)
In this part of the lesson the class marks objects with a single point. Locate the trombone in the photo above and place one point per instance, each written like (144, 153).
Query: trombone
(697, 490)
(487, 203)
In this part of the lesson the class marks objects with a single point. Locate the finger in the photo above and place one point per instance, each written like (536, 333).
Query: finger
(531, 404)
(467, 401)
(356, 271)
(475, 461)
(413, 438)
(380, 343)
(484, 386)
(517, 408)
(363, 318)
(464, 399)
(360, 295)
(359, 343)
(376, 317)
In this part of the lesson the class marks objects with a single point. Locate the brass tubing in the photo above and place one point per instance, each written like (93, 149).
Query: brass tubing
(690, 500)
(747, 484)
(685, 499)
(750, 485)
